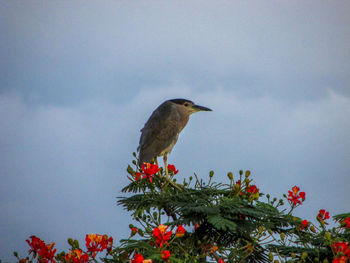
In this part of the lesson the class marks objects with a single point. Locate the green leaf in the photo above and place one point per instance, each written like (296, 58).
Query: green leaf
(221, 223)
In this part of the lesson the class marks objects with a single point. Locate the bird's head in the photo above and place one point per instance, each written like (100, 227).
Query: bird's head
(188, 106)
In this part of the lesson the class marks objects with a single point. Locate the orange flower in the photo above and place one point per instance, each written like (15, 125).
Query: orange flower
(180, 231)
(161, 235)
(294, 196)
(96, 243)
(149, 170)
(214, 248)
(138, 258)
(76, 256)
(165, 255)
(172, 169)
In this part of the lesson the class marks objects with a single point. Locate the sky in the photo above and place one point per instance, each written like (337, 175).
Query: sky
(78, 80)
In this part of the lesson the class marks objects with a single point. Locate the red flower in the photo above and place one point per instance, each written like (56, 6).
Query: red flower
(180, 231)
(76, 256)
(46, 252)
(35, 244)
(196, 226)
(346, 222)
(161, 235)
(294, 196)
(138, 258)
(252, 189)
(340, 260)
(165, 255)
(149, 170)
(137, 176)
(172, 168)
(304, 224)
(342, 251)
(96, 243)
(221, 261)
(133, 231)
(323, 215)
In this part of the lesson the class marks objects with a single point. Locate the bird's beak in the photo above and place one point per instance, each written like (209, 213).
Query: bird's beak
(200, 108)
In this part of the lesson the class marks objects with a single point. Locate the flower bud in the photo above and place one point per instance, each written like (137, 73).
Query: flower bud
(130, 170)
(261, 229)
(247, 173)
(304, 255)
(70, 242)
(155, 214)
(230, 176)
(313, 229)
(271, 256)
(240, 172)
(282, 236)
(276, 261)
(328, 236)
(76, 243)
(211, 173)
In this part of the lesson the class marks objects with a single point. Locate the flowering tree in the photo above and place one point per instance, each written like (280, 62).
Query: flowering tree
(207, 221)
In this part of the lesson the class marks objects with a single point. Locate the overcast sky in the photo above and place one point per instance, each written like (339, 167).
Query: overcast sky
(78, 79)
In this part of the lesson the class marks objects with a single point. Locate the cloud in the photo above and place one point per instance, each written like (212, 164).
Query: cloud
(64, 52)
(62, 167)
(81, 79)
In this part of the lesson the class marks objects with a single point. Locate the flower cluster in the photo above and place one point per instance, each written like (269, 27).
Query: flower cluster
(76, 256)
(304, 224)
(138, 258)
(172, 169)
(346, 222)
(322, 216)
(148, 170)
(162, 236)
(180, 231)
(165, 255)
(294, 196)
(97, 243)
(342, 252)
(46, 252)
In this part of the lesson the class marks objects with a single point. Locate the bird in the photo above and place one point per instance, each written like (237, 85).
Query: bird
(162, 129)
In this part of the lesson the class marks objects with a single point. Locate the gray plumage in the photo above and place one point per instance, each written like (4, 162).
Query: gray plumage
(161, 131)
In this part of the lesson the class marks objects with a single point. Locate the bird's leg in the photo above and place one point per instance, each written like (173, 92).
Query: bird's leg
(165, 165)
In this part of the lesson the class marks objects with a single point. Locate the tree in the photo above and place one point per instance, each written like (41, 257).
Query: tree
(207, 221)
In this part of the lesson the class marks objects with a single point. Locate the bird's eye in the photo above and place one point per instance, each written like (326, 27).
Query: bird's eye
(186, 104)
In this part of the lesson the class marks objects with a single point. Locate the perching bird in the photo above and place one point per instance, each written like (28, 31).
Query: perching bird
(161, 131)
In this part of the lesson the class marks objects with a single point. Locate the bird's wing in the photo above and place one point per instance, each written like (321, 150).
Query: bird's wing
(159, 132)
